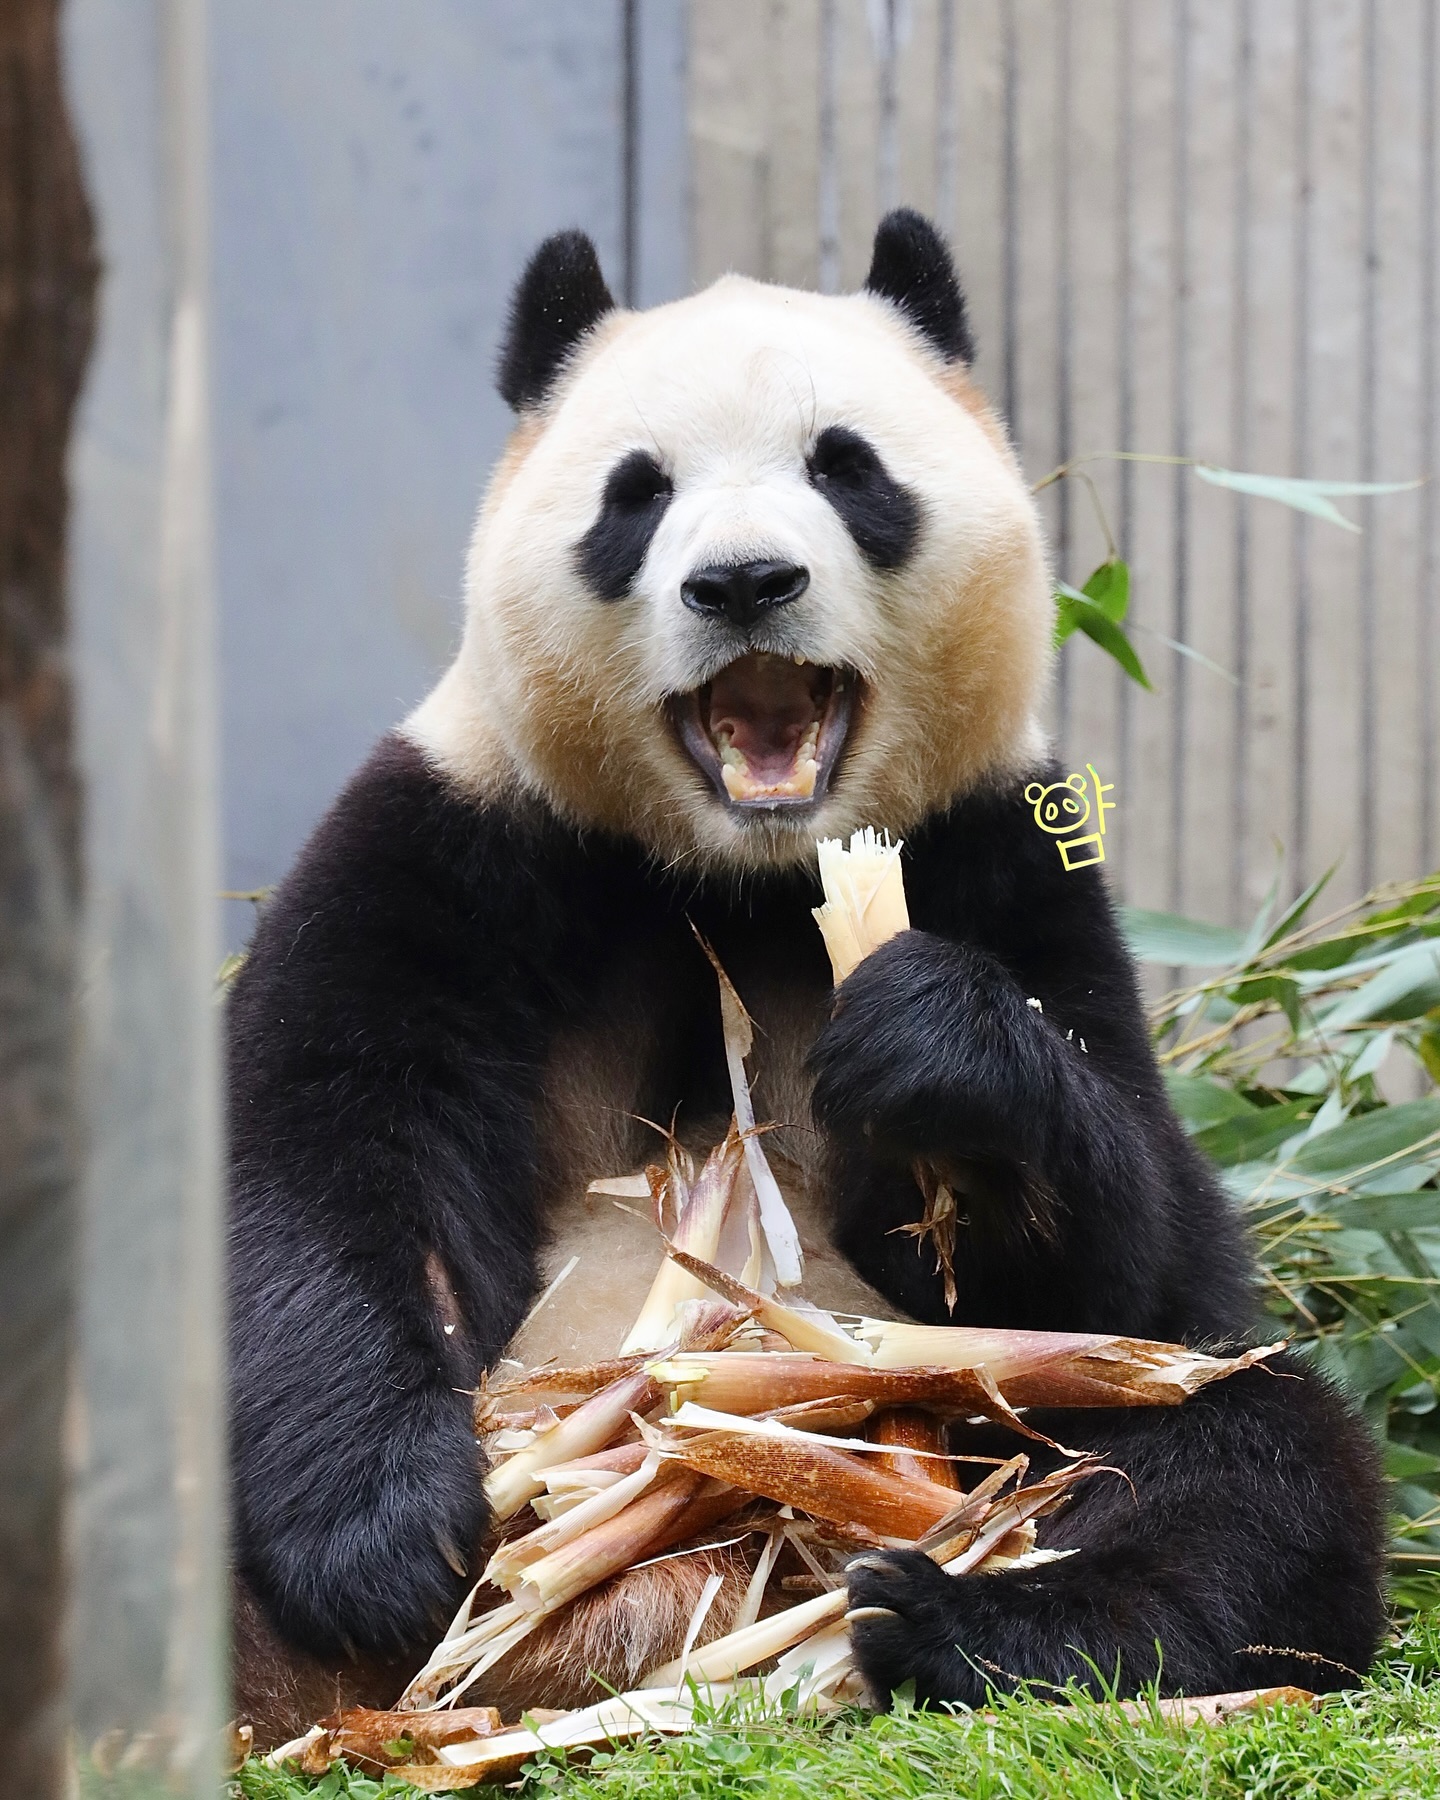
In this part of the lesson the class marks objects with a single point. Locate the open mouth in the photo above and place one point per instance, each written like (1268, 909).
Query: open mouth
(768, 730)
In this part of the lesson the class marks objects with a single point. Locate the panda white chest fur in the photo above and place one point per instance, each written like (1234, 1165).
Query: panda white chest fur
(603, 1251)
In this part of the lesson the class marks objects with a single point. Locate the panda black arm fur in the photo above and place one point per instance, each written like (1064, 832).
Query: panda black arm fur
(1087, 1208)
(385, 1036)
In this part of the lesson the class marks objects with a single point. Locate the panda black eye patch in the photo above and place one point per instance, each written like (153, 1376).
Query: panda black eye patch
(637, 491)
(881, 514)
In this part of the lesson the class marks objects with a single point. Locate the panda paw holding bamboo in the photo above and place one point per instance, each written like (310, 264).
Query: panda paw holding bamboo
(932, 1052)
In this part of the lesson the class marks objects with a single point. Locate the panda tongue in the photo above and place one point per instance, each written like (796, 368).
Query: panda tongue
(764, 705)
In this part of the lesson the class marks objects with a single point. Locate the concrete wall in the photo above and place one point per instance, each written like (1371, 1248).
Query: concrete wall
(380, 174)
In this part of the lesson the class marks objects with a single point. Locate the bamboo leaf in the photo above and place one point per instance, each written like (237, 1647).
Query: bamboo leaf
(1388, 1212)
(1307, 496)
(1408, 987)
(1402, 1463)
(1277, 988)
(1290, 919)
(1189, 650)
(1256, 1134)
(1160, 937)
(1109, 588)
(1330, 953)
(1388, 1131)
(1076, 611)
(1202, 1101)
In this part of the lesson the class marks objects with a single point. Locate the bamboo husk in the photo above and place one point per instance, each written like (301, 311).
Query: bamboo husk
(589, 1428)
(505, 1568)
(828, 1484)
(783, 1427)
(598, 1421)
(675, 1506)
(808, 1329)
(753, 1644)
(705, 1324)
(363, 1735)
(1056, 1368)
(490, 1757)
(698, 1233)
(781, 1238)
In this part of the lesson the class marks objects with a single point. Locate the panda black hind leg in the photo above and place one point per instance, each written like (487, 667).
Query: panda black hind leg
(1241, 1549)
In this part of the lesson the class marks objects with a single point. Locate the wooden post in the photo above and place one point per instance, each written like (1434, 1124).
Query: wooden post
(47, 280)
(147, 1633)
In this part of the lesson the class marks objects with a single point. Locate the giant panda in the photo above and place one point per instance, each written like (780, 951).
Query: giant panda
(756, 567)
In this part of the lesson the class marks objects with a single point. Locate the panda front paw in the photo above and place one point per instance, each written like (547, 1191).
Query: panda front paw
(931, 1051)
(907, 1625)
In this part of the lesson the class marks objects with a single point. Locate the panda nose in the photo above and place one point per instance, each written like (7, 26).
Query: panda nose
(741, 592)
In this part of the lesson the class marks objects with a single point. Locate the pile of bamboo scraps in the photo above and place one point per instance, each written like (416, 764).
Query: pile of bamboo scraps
(815, 1456)
(762, 1418)
(736, 1413)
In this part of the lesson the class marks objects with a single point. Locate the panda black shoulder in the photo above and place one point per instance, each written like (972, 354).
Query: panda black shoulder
(386, 937)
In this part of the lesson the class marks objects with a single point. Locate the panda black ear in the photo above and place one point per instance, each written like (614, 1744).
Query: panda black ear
(560, 297)
(911, 267)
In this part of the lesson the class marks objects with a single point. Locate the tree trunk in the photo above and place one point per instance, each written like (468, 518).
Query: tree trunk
(47, 287)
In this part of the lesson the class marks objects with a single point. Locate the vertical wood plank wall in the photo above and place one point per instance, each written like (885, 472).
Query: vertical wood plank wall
(1190, 227)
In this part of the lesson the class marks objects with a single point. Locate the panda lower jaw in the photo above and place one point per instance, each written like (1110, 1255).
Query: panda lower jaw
(768, 731)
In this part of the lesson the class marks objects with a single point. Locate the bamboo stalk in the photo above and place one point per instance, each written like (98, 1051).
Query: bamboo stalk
(1063, 1369)
(589, 1428)
(743, 1381)
(959, 1377)
(864, 898)
(739, 1650)
(675, 1506)
(910, 1429)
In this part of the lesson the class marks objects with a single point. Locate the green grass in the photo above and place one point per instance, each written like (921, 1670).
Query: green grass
(1382, 1739)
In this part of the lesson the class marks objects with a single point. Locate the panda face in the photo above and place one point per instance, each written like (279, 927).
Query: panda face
(761, 568)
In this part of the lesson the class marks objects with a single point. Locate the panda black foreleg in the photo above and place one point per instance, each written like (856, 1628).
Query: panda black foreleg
(1071, 1186)
(1244, 1551)
(386, 1037)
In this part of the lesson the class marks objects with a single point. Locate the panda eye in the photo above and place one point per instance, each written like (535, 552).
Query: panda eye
(610, 555)
(841, 455)
(880, 513)
(637, 480)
